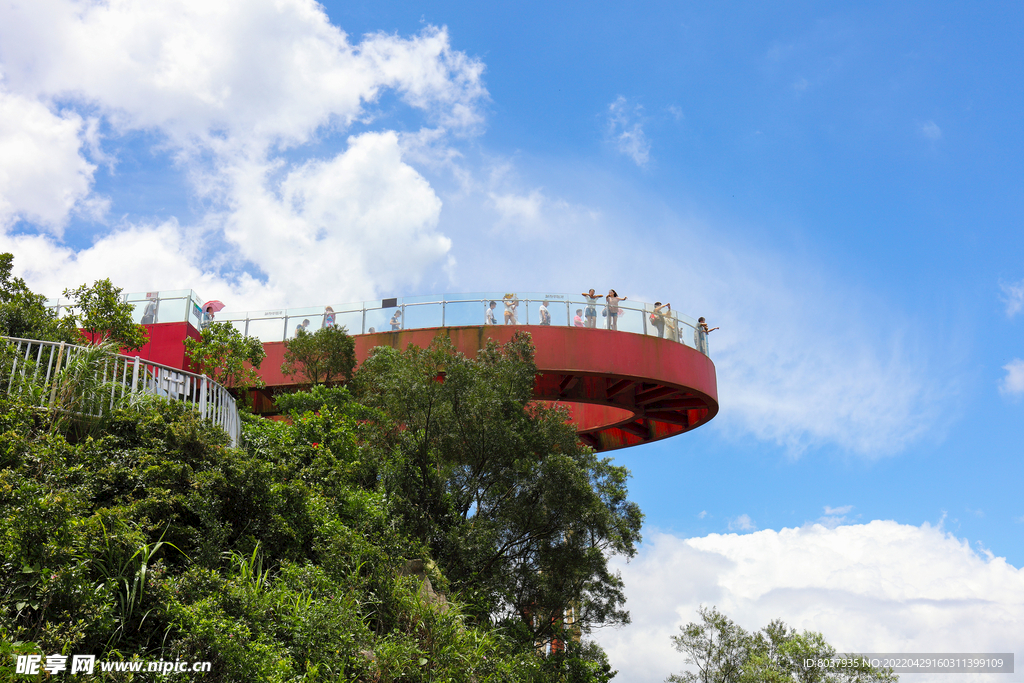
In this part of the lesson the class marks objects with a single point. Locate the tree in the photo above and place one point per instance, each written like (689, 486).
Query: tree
(518, 511)
(321, 357)
(25, 314)
(716, 646)
(724, 652)
(103, 315)
(227, 356)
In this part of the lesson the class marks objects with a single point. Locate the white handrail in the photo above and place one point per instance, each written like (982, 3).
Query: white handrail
(210, 398)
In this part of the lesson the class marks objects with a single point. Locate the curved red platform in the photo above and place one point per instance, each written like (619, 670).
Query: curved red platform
(622, 389)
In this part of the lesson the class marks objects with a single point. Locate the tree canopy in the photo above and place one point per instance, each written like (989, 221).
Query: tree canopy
(24, 313)
(103, 316)
(227, 356)
(723, 652)
(320, 357)
(522, 515)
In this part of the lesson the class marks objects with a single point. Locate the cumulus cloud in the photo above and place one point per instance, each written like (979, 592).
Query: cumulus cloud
(627, 132)
(1012, 383)
(231, 88)
(228, 73)
(361, 221)
(877, 587)
(1013, 297)
(43, 175)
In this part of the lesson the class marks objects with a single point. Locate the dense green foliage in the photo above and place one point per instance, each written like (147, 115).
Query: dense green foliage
(103, 316)
(24, 314)
(723, 652)
(348, 544)
(320, 357)
(518, 511)
(226, 355)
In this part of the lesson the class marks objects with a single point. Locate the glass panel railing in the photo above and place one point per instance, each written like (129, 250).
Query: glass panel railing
(267, 329)
(427, 311)
(462, 312)
(420, 315)
(379, 319)
(352, 321)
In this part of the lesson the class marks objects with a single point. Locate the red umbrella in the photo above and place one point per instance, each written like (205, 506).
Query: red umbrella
(216, 305)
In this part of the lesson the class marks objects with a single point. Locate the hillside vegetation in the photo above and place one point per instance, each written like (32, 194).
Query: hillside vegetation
(423, 523)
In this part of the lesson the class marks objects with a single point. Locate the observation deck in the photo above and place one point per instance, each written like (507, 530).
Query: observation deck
(649, 379)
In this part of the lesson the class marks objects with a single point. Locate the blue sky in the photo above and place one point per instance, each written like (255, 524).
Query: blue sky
(839, 187)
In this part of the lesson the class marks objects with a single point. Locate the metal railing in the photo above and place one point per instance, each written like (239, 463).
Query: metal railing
(451, 310)
(117, 377)
(435, 310)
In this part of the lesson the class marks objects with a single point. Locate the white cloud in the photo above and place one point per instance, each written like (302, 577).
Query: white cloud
(1013, 297)
(228, 88)
(1013, 383)
(43, 175)
(516, 207)
(228, 74)
(742, 523)
(627, 133)
(931, 130)
(878, 587)
(833, 517)
(341, 228)
(702, 514)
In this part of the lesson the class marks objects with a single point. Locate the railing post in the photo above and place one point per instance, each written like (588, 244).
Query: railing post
(14, 366)
(442, 312)
(135, 375)
(643, 315)
(362, 328)
(53, 390)
(202, 396)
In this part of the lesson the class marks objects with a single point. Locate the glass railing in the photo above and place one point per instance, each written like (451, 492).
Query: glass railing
(456, 310)
(439, 310)
(166, 306)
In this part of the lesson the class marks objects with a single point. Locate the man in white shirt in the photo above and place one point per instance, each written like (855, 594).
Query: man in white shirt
(491, 320)
(545, 314)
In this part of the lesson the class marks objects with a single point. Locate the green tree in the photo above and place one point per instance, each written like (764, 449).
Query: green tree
(716, 646)
(724, 652)
(321, 357)
(103, 315)
(521, 515)
(227, 356)
(25, 314)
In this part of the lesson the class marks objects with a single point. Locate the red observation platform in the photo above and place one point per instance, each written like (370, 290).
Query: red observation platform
(639, 382)
(621, 389)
